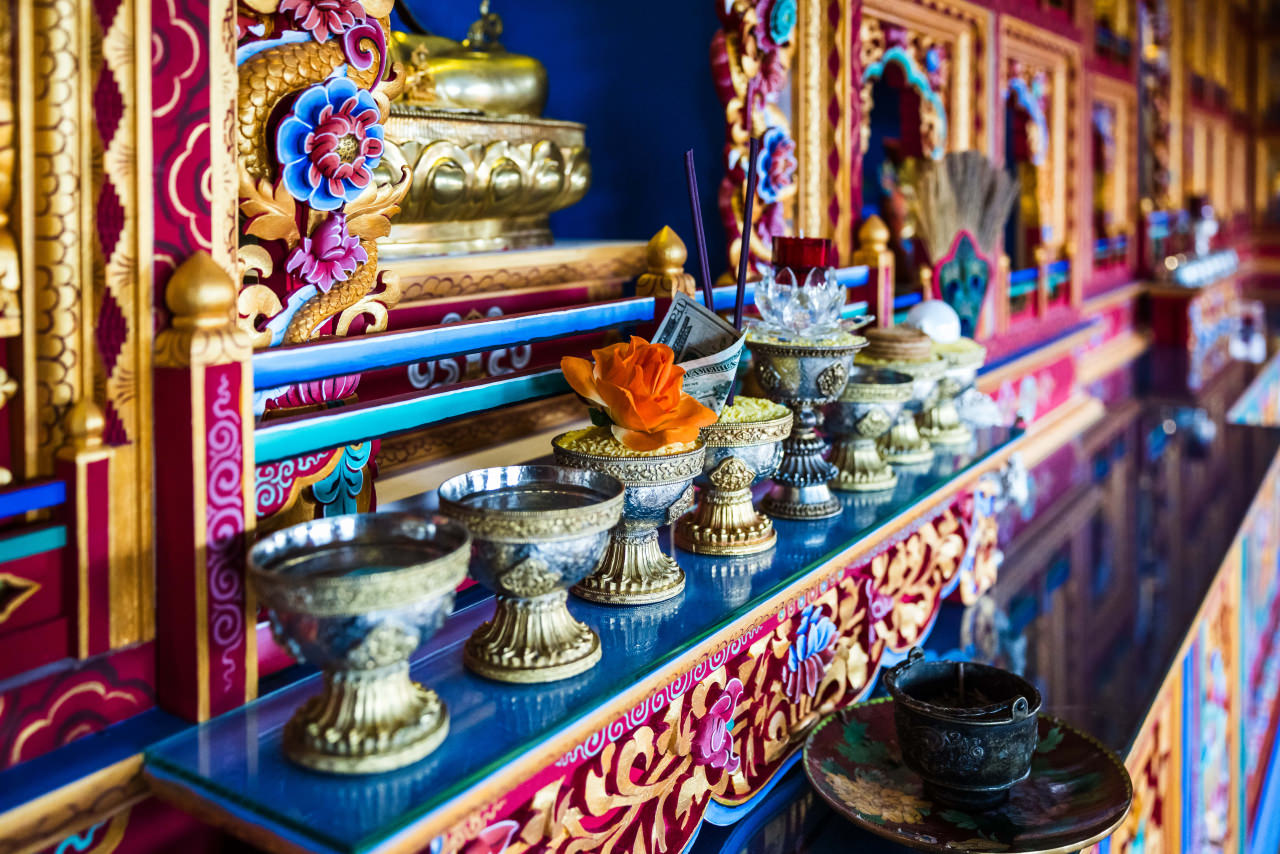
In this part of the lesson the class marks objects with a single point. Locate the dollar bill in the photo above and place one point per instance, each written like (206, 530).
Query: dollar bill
(706, 346)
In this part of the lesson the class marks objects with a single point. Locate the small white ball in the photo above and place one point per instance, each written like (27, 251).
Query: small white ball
(936, 319)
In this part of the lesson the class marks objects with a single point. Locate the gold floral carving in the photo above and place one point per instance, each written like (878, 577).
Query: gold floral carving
(431, 279)
(544, 526)
(270, 210)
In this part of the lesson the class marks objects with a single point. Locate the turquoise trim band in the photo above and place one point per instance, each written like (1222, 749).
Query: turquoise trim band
(347, 425)
(30, 543)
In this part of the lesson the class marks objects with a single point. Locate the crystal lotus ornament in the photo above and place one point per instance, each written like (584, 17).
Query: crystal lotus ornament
(792, 308)
(329, 255)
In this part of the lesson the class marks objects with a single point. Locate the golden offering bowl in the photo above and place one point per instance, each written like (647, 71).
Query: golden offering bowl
(871, 402)
(536, 530)
(481, 183)
(659, 490)
(940, 422)
(803, 376)
(903, 445)
(739, 455)
(356, 595)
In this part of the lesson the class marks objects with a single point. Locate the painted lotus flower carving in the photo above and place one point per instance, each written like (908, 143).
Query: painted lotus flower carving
(323, 18)
(777, 164)
(712, 738)
(329, 144)
(329, 255)
(782, 21)
(810, 654)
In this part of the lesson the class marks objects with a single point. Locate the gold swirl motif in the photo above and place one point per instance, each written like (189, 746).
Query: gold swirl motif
(268, 77)
(731, 474)
(832, 379)
(342, 296)
(529, 578)
(873, 424)
(889, 392)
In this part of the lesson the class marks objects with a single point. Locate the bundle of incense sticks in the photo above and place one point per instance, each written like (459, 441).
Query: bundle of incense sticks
(699, 236)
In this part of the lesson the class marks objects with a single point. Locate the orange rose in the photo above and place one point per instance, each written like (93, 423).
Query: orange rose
(640, 388)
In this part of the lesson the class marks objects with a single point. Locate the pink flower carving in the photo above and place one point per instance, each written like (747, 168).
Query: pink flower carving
(329, 255)
(712, 738)
(879, 606)
(323, 18)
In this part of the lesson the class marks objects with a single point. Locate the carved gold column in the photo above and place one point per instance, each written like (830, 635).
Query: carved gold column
(206, 651)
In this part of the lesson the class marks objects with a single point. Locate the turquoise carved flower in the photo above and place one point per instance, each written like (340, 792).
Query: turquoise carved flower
(782, 20)
(329, 144)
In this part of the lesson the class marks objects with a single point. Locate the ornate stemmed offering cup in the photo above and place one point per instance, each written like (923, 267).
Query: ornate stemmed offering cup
(803, 374)
(659, 490)
(536, 531)
(907, 351)
(870, 404)
(940, 423)
(743, 448)
(968, 730)
(356, 595)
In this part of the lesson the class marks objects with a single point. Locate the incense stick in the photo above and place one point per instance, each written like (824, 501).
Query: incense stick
(699, 236)
(744, 253)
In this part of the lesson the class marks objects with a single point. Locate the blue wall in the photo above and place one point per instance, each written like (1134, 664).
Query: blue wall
(639, 76)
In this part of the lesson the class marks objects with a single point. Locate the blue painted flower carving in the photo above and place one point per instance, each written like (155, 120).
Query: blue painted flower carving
(782, 20)
(329, 144)
(777, 164)
(810, 654)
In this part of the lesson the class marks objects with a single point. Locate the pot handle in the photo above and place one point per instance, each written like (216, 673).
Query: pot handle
(1021, 709)
(916, 654)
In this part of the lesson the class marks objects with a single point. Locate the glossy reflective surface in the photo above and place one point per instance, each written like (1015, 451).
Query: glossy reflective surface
(1103, 575)
(236, 760)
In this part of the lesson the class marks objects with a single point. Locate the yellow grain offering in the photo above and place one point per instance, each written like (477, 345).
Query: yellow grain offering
(600, 442)
(746, 410)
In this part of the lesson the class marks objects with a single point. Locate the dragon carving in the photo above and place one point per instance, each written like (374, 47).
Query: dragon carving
(318, 180)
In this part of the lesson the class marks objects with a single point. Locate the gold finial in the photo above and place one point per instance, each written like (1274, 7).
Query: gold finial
(202, 296)
(926, 281)
(200, 293)
(664, 262)
(874, 234)
(84, 425)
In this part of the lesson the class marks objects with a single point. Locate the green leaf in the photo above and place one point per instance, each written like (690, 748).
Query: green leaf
(858, 748)
(599, 418)
(1050, 741)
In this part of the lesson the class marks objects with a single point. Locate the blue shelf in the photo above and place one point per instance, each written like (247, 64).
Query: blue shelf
(233, 769)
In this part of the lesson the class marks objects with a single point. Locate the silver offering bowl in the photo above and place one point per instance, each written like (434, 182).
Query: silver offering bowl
(740, 455)
(866, 410)
(659, 490)
(903, 445)
(356, 595)
(803, 377)
(536, 531)
(940, 422)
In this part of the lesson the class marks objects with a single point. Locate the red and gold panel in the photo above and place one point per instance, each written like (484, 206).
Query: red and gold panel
(723, 729)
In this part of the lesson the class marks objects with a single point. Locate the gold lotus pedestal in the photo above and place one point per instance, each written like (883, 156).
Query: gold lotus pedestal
(870, 404)
(356, 595)
(803, 376)
(480, 182)
(739, 455)
(536, 531)
(940, 423)
(659, 490)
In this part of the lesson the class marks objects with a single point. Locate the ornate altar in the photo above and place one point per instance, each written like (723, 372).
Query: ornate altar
(271, 263)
